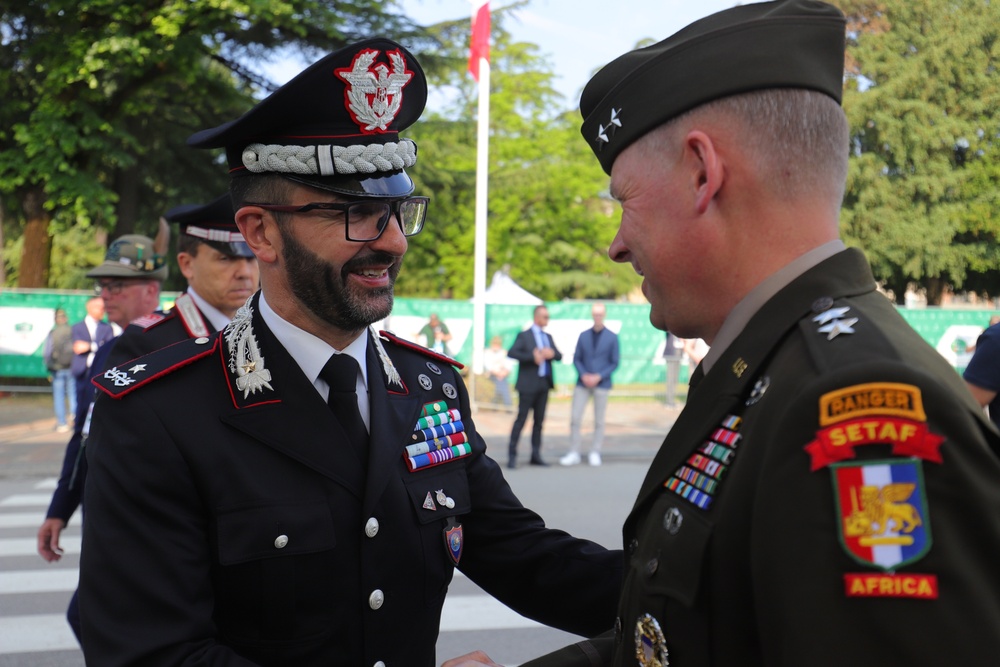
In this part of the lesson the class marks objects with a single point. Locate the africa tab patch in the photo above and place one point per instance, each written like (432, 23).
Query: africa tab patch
(881, 511)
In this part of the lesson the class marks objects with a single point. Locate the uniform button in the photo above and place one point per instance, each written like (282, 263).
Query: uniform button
(280, 541)
(652, 566)
(632, 546)
(379, 664)
(371, 528)
(376, 599)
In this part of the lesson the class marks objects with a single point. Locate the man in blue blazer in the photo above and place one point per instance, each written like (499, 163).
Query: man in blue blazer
(88, 334)
(535, 351)
(595, 358)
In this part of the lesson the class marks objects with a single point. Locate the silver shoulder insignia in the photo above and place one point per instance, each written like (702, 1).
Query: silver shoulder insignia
(245, 359)
(838, 327)
(120, 378)
(387, 366)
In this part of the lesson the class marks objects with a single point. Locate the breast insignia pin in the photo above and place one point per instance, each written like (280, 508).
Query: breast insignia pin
(650, 646)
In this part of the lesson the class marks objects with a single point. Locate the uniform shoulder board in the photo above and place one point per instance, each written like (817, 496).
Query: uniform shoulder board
(147, 321)
(389, 336)
(191, 317)
(117, 382)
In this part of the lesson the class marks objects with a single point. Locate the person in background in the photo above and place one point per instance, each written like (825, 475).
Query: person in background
(221, 273)
(695, 349)
(829, 494)
(595, 358)
(436, 335)
(89, 334)
(129, 281)
(994, 319)
(535, 351)
(58, 355)
(982, 375)
(498, 366)
(298, 489)
(673, 353)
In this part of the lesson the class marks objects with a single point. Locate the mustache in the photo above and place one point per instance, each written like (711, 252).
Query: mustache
(364, 261)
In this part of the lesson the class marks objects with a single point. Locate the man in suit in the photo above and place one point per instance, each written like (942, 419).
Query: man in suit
(129, 279)
(89, 334)
(298, 489)
(535, 351)
(595, 358)
(221, 273)
(829, 494)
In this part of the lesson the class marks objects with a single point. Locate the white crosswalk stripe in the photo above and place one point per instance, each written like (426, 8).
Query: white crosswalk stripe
(36, 633)
(28, 546)
(42, 629)
(38, 581)
(21, 519)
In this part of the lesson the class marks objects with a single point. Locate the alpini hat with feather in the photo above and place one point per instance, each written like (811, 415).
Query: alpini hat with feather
(783, 44)
(335, 126)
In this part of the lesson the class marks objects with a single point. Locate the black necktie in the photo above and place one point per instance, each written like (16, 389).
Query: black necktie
(341, 373)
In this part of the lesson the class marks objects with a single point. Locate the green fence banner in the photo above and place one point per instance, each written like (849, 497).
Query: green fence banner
(26, 316)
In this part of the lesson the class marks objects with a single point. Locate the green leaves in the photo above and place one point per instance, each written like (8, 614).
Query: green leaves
(923, 101)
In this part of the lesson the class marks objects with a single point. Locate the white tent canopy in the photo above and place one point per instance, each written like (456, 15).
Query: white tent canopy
(503, 290)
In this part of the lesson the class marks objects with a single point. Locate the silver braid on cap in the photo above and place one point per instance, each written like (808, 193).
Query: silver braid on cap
(328, 160)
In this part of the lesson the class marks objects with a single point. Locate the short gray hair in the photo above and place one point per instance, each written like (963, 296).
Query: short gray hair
(799, 139)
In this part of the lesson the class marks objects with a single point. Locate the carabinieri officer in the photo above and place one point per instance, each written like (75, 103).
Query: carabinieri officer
(299, 489)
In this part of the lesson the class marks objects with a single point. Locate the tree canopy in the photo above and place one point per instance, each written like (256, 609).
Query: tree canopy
(923, 100)
(99, 96)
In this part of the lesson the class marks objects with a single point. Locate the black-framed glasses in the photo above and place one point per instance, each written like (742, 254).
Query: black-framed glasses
(365, 220)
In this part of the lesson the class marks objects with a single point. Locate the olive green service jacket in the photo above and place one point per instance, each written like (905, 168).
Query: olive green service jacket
(229, 523)
(830, 496)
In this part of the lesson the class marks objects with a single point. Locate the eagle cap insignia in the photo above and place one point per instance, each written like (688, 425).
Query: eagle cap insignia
(374, 92)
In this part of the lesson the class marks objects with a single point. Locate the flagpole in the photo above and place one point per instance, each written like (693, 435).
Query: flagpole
(480, 68)
(482, 196)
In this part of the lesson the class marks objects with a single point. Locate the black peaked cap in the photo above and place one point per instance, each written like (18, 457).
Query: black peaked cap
(349, 108)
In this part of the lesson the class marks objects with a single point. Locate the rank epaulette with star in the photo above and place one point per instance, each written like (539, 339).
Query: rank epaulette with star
(117, 382)
(421, 349)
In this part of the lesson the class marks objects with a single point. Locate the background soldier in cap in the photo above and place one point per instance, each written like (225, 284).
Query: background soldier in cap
(298, 490)
(129, 280)
(221, 272)
(830, 493)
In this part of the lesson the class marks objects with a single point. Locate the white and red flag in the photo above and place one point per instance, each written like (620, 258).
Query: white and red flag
(479, 48)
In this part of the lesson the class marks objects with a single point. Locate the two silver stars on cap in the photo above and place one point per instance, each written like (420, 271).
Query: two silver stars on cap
(602, 130)
(834, 323)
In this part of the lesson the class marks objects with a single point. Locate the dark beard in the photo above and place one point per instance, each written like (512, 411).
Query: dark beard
(325, 293)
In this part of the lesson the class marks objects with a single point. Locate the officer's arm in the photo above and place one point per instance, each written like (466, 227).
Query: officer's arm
(594, 652)
(983, 396)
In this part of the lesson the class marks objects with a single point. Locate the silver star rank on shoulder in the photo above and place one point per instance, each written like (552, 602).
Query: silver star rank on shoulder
(834, 323)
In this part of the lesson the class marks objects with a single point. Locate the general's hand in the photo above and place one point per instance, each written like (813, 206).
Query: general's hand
(591, 380)
(48, 539)
(471, 660)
